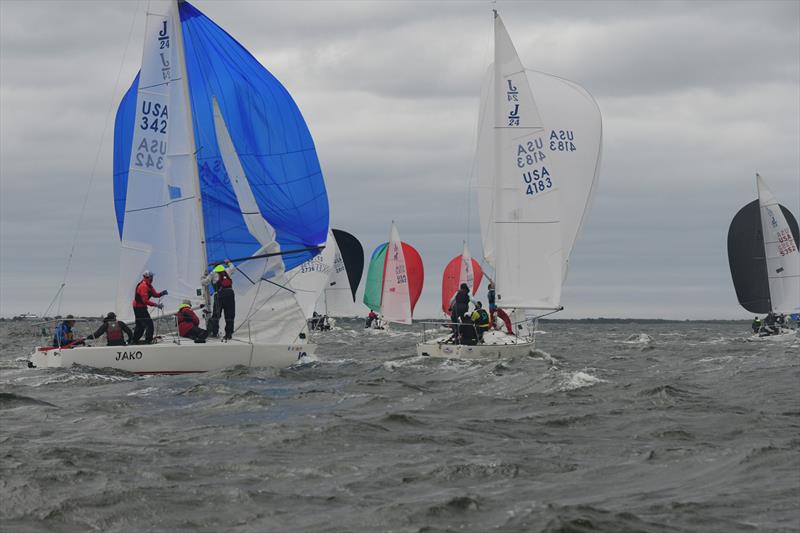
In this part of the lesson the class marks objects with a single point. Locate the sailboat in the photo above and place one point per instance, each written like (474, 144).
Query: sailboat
(394, 280)
(325, 286)
(763, 255)
(537, 160)
(339, 296)
(212, 161)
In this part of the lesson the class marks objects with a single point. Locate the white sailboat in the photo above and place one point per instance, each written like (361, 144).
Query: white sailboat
(764, 260)
(394, 281)
(176, 213)
(538, 159)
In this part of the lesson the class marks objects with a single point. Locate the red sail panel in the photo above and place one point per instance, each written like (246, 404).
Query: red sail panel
(416, 273)
(451, 280)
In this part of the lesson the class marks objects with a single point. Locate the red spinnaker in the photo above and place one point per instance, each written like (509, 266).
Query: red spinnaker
(451, 280)
(416, 273)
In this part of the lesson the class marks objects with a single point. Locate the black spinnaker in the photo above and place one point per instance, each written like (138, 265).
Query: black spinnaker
(746, 257)
(353, 256)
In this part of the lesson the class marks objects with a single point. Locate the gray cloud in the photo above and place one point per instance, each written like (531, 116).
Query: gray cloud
(696, 96)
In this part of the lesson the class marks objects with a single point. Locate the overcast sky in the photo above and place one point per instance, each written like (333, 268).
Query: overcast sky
(696, 97)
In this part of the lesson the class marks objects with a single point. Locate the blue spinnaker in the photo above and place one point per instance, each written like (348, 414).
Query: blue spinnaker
(271, 138)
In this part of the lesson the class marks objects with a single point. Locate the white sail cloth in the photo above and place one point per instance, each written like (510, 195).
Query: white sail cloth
(780, 248)
(395, 298)
(337, 298)
(538, 156)
(162, 225)
(308, 281)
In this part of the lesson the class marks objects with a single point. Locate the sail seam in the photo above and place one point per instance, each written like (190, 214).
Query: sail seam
(158, 206)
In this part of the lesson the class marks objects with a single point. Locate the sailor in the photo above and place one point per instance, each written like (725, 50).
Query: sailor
(189, 323)
(769, 324)
(481, 320)
(224, 298)
(467, 331)
(459, 303)
(371, 318)
(141, 300)
(494, 310)
(316, 322)
(756, 325)
(113, 329)
(64, 337)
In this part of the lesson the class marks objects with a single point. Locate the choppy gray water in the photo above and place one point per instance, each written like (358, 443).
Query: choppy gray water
(612, 427)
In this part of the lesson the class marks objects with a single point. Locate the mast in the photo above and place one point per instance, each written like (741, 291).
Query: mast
(176, 16)
(497, 192)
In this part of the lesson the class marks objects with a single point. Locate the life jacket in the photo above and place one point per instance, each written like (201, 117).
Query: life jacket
(142, 293)
(187, 319)
(224, 281)
(113, 331)
(483, 318)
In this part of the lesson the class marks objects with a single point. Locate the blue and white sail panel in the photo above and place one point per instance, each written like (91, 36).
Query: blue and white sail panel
(161, 231)
(256, 224)
(270, 135)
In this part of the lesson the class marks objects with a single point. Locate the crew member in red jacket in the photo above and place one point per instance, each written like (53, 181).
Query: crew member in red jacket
(189, 323)
(141, 300)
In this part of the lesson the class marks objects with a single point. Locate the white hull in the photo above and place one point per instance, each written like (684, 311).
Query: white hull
(785, 334)
(174, 357)
(497, 345)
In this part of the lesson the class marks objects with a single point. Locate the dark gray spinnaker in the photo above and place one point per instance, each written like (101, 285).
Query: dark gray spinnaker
(747, 258)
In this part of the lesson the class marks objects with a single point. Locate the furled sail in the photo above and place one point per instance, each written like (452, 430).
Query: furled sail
(781, 252)
(538, 157)
(275, 147)
(162, 233)
(461, 269)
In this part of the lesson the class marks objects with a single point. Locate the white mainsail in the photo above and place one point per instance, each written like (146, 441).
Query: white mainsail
(163, 229)
(537, 166)
(781, 252)
(395, 298)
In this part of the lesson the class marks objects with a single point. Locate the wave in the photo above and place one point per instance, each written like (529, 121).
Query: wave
(9, 400)
(578, 380)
